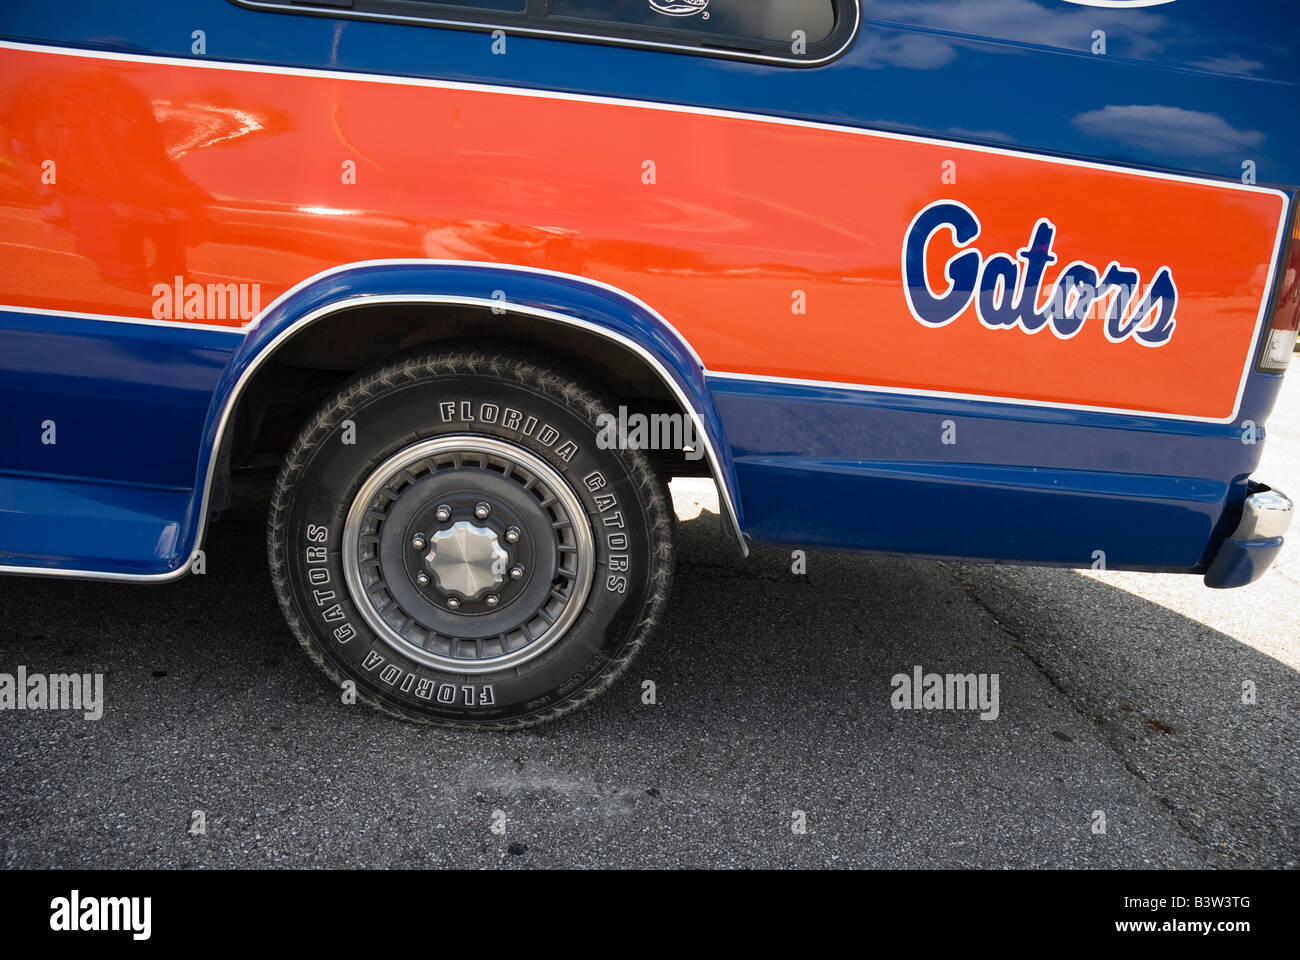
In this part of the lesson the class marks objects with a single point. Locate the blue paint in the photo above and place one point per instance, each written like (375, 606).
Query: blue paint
(127, 403)
(67, 524)
(128, 400)
(851, 469)
(1239, 562)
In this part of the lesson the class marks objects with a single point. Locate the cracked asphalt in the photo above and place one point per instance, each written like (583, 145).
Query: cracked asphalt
(1120, 697)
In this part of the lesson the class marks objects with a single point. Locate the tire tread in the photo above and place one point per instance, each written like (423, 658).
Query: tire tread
(526, 370)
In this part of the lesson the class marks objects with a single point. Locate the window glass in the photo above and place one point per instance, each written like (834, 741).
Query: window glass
(793, 31)
(515, 6)
(772, 20)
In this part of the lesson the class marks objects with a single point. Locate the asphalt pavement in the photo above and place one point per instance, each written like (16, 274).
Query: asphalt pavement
(1121, 737)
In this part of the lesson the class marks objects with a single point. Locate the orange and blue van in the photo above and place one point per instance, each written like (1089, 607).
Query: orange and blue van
(1009, 281)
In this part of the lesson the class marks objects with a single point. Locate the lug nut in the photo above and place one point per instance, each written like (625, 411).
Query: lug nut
(516, 572)
(417, 542)
(482, 509)
(453, 602)
(443, 513)
(512, 535)
(492, 601)
(422, 579)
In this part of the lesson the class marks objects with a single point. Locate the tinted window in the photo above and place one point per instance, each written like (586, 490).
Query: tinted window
(516, 6)
(748, 19)
(781, 31)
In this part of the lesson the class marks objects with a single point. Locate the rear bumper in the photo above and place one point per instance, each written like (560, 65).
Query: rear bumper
(1255, 543)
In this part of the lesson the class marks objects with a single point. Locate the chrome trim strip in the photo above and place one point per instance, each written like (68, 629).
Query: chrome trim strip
(97, 574)
(493, 264)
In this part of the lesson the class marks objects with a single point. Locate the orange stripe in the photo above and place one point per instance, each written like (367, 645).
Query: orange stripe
(226, 176)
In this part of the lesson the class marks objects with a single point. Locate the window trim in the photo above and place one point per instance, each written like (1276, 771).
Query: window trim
(835, 44)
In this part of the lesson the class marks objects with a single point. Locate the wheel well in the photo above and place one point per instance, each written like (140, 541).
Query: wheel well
(285, 390)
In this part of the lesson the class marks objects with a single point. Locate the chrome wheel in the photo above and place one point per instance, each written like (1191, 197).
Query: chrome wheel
(468, 553)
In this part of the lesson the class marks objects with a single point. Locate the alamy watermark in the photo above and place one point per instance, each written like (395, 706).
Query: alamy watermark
(648, 431)
(75, 913)
(55, 691)
(946, 691)
(179, 300)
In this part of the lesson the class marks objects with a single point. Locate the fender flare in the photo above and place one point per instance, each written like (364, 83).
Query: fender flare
(544, 295)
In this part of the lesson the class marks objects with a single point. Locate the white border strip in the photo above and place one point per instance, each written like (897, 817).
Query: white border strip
(107, 318)
(978, 397)
(1119, 4)
(536, 94)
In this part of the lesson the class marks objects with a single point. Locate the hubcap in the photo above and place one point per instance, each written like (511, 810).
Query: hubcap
(468, 553)
(466, 559)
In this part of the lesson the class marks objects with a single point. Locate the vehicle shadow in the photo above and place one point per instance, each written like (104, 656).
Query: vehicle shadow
(1206, 724)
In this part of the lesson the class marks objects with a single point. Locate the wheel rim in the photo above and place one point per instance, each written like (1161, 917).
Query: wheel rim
(468, 553)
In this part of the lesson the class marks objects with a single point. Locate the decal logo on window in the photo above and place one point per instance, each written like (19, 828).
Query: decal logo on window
(679, 8)
(1008, 291)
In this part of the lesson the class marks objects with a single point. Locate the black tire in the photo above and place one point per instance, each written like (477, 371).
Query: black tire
(489, 421)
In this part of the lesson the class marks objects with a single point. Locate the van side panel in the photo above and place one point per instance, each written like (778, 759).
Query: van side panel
(777, 245)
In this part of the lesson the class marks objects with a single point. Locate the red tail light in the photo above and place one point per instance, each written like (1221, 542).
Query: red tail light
(1286, 318)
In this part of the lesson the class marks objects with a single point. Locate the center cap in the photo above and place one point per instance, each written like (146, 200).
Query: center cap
(466, 559)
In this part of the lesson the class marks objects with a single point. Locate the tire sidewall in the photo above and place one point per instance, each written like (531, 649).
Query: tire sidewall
(317, 488)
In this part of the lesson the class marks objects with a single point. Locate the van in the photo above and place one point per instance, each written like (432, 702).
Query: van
(1010, 281)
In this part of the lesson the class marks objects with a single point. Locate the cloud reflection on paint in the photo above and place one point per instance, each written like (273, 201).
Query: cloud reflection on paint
(1165, 131)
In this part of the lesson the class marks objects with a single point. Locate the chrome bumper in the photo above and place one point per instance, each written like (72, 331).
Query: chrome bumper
(1266, 515)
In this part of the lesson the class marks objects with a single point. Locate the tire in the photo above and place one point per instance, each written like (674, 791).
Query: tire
(392, 575)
